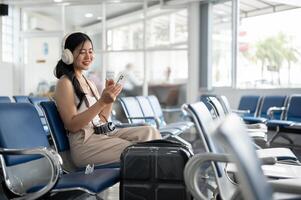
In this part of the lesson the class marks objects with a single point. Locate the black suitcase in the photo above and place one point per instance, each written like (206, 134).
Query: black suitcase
(154, 171)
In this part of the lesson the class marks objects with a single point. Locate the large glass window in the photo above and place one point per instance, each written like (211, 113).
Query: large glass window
(179, 20)
(222, 44)
(272, 58)
(130, 64)
(7, 37)
(126, 37)
(167, 30)
(167, 66)
(165, 53)
(158, 31)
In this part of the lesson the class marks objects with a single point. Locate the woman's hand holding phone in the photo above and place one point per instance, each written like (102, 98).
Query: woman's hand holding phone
(110, 92)
(120, 78)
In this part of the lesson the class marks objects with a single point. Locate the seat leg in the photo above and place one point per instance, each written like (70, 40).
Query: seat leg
(98, 197)
(277, 132)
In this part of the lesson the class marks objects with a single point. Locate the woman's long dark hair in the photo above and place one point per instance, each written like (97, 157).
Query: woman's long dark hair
(71, 42)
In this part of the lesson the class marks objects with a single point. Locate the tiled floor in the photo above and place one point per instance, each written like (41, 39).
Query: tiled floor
(112, 193)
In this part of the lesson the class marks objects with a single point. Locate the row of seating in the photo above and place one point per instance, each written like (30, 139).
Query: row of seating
(52, 179)
(35, 100)
(41, 171)
(147, 110)
(281, 114)
(48, 178)
(21, 99)
(227, 142)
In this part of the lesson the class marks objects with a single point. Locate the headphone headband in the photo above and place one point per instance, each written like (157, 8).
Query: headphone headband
(67, 56)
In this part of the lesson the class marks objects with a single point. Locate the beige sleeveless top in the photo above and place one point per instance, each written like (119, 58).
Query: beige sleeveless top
(88, 130)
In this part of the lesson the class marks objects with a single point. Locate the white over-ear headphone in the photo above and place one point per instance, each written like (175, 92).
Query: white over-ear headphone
(67, 56)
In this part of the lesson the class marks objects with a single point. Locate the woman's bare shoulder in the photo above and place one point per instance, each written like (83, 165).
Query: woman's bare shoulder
(64, 81)
(64, 88)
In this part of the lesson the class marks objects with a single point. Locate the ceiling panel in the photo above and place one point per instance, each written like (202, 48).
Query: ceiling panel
(76, 9)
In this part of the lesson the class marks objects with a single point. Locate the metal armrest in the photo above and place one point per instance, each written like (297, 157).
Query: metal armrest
(185, 115)
(292, 185)
(296, 125)
(157, 120)
(171, 109)
(56, 170)
(192, 169)
(241, 112)
(125, 125)
(268, 161)
(273, 109)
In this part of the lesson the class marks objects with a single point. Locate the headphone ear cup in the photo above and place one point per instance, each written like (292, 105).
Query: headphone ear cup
(67, 56)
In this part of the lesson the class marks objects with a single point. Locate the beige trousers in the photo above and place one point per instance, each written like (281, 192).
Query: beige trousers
(102, 149)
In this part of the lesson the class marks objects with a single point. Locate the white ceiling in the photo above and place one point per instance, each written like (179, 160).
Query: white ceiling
(75, 10)
(75, 14)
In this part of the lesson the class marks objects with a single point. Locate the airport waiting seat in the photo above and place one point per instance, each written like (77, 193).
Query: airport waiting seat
(159, 113)
(252, 182)
(135, 116)
(256, 132)
(213, 104)
(226, 187)
(150, 106)
(36, 102)
(249, 105)
(203, 122)
(198, 166)
(221, 98)
(30, 167)
(21, 99)
(268, 104)
(60, 139)
(5, 99)
(291, 121)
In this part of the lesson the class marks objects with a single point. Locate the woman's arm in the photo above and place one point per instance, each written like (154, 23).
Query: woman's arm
(64, 97)
(106, 112)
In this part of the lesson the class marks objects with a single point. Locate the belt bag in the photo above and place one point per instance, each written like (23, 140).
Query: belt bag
(104, 128)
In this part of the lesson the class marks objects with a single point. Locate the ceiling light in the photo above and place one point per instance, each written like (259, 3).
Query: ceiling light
(88, 15)
(99, 18)
(57, 1)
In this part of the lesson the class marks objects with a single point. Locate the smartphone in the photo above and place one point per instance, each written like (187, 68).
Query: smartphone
(120, 78)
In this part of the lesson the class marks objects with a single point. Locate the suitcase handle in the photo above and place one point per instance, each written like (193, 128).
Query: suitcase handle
(160, 142)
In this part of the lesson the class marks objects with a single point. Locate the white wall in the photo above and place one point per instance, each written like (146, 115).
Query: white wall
(40, 64)
(41, 22)
(6, 79)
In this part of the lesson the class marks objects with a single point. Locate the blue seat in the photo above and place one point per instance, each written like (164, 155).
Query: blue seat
(203, 124)
(209, 101)
(149, 105)
(31, 168)
(291, 121)
(60, 139)
(21, 99)
(5, 99)
(268, 102)
(133, 111)
(36, 102)
(215, 152)
(159, 113)
(231, 134)
(135, 116)
(198, 164)
(251, 104)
